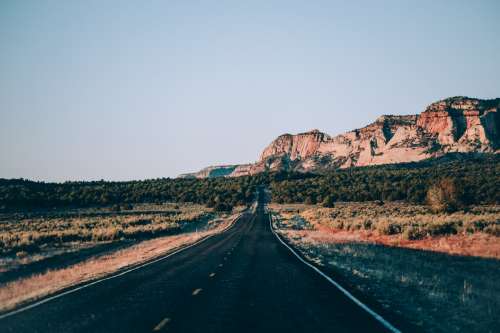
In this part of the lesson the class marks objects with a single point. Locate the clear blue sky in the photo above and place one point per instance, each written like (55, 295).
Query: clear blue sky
(144, 89)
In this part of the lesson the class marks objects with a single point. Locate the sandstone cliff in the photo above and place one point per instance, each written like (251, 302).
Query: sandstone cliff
(456, 124)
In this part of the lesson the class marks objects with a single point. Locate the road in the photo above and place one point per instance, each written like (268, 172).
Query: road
(243, 280)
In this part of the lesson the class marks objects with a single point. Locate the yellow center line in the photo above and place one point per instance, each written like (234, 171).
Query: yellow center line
(161, 324)
(196, 291)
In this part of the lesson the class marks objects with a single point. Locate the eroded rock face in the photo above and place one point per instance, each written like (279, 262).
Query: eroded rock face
(456, 124)
(463, 124)
(302, 145)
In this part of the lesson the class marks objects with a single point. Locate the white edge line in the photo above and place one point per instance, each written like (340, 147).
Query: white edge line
(48, 299)
(338, 286)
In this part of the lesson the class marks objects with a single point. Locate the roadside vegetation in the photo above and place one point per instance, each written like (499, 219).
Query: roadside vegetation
(27, 235)
(367, 247)
(434, 291)
(475, 231)
(42, 252)
(32, 243)
(396, 218)
(34, 286)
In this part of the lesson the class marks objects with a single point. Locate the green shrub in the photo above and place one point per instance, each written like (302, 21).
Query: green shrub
(328, 202)
(367, 224)
(222, 207)
(440, 229)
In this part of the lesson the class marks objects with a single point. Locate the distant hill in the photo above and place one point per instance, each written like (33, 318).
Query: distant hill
(211, 172)
(453, 125)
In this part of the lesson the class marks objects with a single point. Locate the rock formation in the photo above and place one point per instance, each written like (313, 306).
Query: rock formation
(211, 172)
(456, 124)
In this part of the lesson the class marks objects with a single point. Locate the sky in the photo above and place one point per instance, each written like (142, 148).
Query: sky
(122, 90)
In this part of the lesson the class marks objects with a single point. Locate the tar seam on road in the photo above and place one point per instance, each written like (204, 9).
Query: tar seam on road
(375, 315)
(161, 324)
(45, 300)
(196, 291)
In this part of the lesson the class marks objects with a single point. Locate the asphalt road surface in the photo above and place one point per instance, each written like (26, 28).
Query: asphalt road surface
(243, 280)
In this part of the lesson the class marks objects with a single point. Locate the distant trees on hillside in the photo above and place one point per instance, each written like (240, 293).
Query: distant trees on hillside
(220, 193)
(479, 180)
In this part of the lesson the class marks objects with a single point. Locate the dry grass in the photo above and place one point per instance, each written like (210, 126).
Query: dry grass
(34, 242)
(473, 232)
(33, 287)
(32, 234)
(430, 290)
(433, 291)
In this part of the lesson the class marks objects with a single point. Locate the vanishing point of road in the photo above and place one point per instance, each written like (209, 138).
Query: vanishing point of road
(242, 280)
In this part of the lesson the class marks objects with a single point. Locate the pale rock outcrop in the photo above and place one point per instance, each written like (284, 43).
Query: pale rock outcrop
(211, 172)
(302, 145)
(456, 124)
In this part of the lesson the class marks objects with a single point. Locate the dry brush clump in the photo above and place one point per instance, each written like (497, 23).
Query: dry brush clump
(446, 195)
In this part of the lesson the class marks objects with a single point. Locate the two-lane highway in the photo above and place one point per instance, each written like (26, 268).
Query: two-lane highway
(243, 280)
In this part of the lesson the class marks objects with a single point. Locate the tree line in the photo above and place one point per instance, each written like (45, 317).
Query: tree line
(220, 193)
(477, 177)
